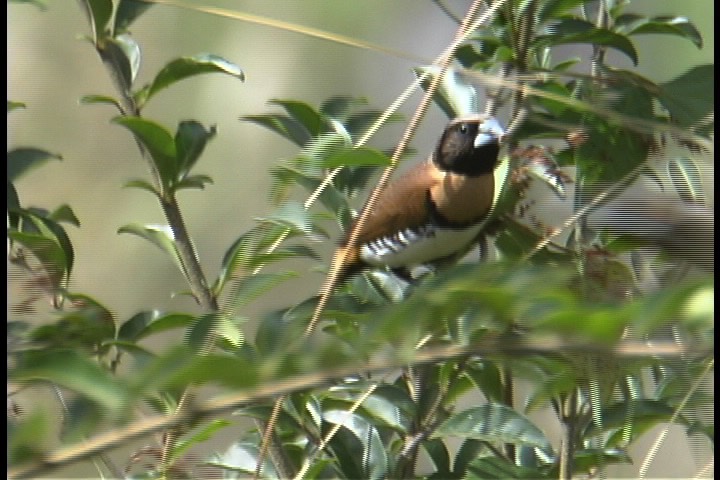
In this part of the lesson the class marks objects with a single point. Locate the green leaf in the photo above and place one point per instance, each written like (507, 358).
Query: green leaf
(361, 156)
(373, 455)
(388, 405)
(202, 434)
(190, 140)
(101, 99)
(98, 12)
(24, 159)
(249, 288)
(127, 12)
(282, 125)
(142, 185)
(46, 250)
(158, 142)
(687, 180)
(70, 369)
(339, 107)
(552, 9)
(49, 242)
(160, 235)
(241, 457)
(14, 105)
(64, 213)
(148, 323)
(185, 67)
(25, 436)
(636, 415)
(572, 30)
(229, 371)
(486, 377)
(690, 97)
(131, 49)
(438, 453)
(218, 324)
(86, 324)
(291, 215)
(140, 354)
(112, 53)
(304, 114)
(495, 423)
(283, 253)
(13, 205)
(194, 181)
(635, 24)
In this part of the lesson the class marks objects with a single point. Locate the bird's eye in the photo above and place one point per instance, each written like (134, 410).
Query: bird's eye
(464, 128)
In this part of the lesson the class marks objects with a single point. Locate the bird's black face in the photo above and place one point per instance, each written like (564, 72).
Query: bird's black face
(469, 147)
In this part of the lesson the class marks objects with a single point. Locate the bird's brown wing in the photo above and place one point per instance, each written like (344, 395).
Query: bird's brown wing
(403, 204)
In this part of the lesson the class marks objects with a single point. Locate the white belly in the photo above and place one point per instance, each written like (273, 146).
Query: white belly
(410, 248)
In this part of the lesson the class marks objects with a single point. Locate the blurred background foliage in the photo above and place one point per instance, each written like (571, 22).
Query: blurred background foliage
(50, 68)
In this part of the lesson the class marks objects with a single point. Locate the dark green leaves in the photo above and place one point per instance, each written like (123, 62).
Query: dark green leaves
(173, 158)
(690, 97)
(98, 12)
(572, 30)
(48, 242)
(21, 160)
(127, 12)
(494, 422)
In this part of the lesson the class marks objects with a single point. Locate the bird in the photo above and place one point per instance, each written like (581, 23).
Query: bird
(436, 209)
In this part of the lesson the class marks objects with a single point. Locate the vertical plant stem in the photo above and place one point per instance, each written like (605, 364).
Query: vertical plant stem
(181, 238)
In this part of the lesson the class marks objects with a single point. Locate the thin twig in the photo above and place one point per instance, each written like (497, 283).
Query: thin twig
(645, 466)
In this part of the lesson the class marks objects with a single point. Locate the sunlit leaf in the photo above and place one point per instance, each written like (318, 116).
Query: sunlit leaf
(113, 54)
(687, 180)
(185, 67)
(159, 235)
(635, 24)
(373, 456)
(147, 323)
(495, 423)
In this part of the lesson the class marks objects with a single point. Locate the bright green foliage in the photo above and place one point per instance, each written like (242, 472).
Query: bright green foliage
(562, 317)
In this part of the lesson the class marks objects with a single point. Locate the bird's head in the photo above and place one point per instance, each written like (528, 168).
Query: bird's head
(469, 145)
